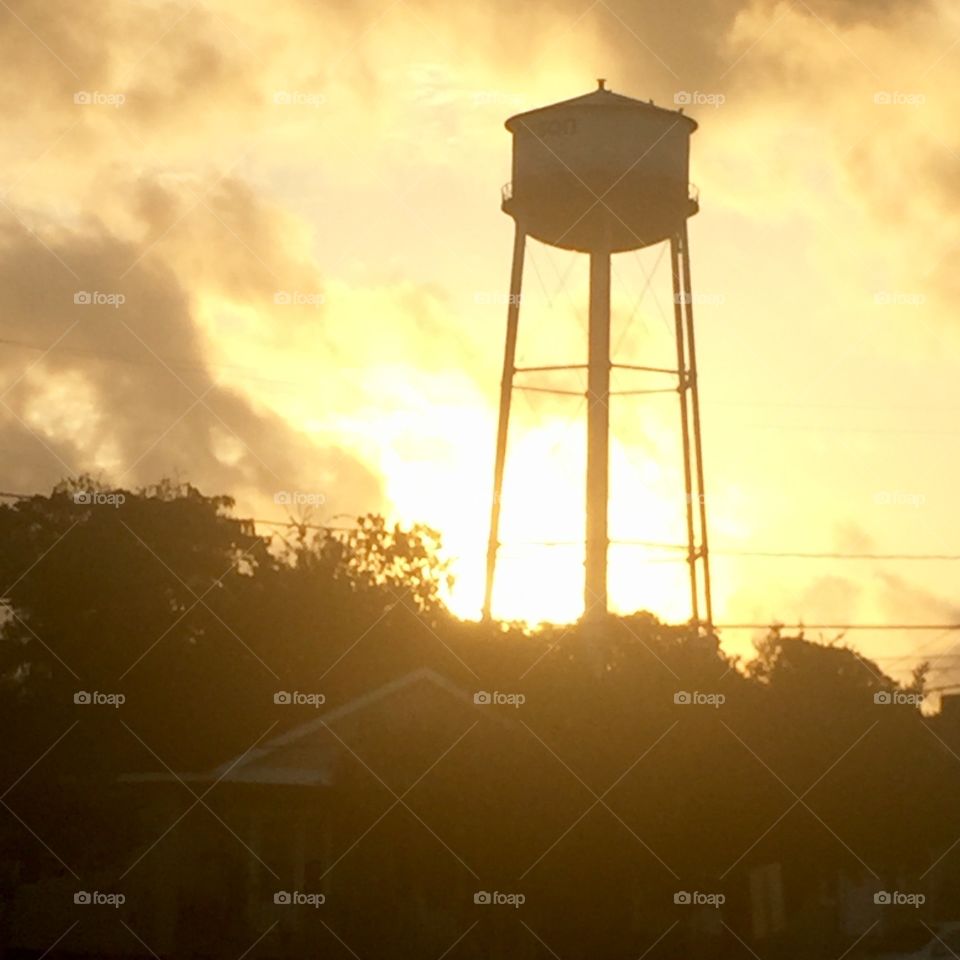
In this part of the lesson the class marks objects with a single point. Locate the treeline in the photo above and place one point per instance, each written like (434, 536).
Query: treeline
(706, 766)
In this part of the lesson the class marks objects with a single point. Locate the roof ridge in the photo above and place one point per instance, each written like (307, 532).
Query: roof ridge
(308, 727)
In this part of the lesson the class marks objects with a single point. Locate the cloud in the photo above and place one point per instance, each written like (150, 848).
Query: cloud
(367, 192)
(903, 600)
(105, 369)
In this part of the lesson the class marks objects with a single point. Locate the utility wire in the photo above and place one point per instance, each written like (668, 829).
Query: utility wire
(944, 627)
(648, 544)
(775, 554)
(240, 372)
(839, 626)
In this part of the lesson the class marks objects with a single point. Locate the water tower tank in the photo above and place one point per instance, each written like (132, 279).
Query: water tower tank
(632, 155)
(601, 174)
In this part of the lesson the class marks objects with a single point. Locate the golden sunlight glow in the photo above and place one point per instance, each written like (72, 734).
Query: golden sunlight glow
(357, 307)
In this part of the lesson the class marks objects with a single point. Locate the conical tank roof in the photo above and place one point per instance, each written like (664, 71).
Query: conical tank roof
(602, 99)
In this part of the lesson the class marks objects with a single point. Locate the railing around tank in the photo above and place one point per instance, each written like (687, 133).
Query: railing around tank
(506, 192)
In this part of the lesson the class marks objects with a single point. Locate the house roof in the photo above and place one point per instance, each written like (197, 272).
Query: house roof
(305, 755)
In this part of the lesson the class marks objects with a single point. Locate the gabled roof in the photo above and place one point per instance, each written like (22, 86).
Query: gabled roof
(601, 98)
(291, 757)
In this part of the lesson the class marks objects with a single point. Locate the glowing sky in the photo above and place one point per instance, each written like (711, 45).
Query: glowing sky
(299, 203)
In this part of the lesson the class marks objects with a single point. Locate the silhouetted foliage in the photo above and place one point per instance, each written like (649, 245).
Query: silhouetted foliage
(162, 596)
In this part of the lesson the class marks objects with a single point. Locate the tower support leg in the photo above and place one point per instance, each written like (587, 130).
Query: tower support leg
(598, 438)
(506, 392)
(680, 297)
(697, 444)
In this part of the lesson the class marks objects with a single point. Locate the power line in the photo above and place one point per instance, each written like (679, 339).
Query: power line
(945, 627)
(829, 406)
(731, 552)
(160, 363)
(648, 544)
(305, 526)
(7, 495)
(799, 555)
(918, 655)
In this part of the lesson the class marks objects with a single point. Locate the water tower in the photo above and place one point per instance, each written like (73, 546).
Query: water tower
(602, 174)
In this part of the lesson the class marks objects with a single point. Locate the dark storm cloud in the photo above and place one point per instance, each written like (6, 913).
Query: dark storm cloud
(161, 52)
(126, 384)
(846, 12)
(904, 599)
